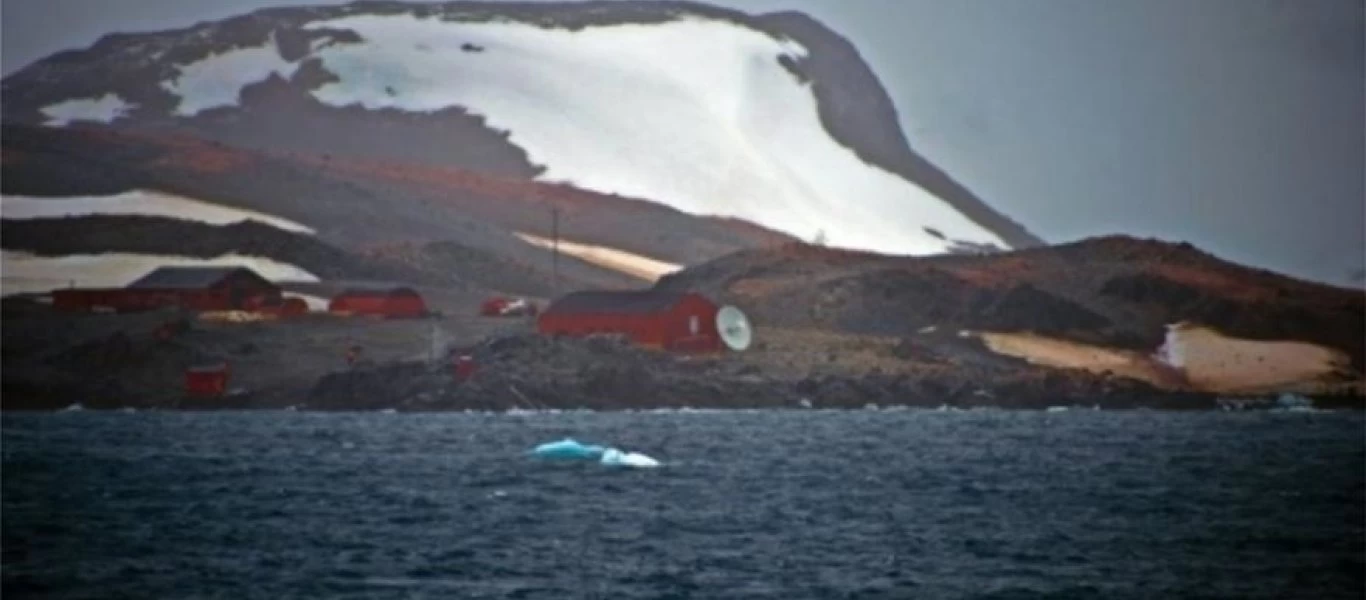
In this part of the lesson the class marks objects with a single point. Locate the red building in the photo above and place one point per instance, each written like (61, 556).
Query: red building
(393, 303)
(677, 321)
(194, 288)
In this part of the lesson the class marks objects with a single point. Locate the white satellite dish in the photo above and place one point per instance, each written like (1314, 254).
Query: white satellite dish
(733, 325)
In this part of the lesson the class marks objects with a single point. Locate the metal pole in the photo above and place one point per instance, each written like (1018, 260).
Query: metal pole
(555, 247)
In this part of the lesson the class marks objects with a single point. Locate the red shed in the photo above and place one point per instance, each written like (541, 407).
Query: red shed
(395, 302)
(206, 381)
(682, 321)
(195, 288)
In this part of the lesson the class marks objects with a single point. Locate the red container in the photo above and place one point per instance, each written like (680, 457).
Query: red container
(464, 367)
(208, 381)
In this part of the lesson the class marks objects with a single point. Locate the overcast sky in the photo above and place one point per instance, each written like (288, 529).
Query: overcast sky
(1234, 124)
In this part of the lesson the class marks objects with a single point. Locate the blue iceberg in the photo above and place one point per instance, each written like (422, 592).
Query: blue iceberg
(569, 449)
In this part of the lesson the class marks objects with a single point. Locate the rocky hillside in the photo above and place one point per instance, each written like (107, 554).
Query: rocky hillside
(1116, 291)
(442, 225)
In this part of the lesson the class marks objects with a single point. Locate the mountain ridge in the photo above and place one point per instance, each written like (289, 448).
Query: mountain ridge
(853, 108)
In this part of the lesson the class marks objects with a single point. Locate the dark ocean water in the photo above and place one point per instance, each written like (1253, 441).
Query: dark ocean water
(862, 504)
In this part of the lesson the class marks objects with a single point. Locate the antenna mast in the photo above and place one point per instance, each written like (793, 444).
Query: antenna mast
(555, 248)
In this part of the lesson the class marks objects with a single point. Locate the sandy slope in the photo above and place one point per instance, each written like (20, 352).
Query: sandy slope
(1216, 362)
(634, 265)
(1059, 353)
(1195, 357)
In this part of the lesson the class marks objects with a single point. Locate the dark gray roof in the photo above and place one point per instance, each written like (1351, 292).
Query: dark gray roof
(189, 278)
(647, 301)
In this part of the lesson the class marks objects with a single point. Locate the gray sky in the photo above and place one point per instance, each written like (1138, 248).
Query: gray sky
(1234, 124)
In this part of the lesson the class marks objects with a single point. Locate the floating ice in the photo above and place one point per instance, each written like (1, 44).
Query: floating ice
(573, 450)
(616, 458)
(1294, 403)
(568, 448)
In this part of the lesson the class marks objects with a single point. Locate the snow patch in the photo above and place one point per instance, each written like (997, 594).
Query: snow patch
(1172, 352)
(218, 79)
(693, 113)
(315, 303)
(27, 273)
(104, 109)
(138, 202)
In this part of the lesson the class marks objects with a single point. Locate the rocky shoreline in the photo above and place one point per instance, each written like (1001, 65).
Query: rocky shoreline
(528, 372)
(114, 362)
(603, 373)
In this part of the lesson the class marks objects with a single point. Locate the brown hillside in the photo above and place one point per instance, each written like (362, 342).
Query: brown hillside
(357, 202)
(1117, 291)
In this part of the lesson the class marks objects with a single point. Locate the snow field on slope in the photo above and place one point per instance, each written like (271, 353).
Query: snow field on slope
(104, 109)
(138, 202)
(217, 80)
(696, 114)
(27, 273)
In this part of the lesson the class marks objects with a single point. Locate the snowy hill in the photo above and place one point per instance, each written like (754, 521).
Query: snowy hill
(771, 119)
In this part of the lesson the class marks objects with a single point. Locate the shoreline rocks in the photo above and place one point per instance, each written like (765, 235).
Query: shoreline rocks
(532, 373)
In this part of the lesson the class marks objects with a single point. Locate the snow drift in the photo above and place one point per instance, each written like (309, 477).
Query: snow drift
(26, 273)
(138, 202)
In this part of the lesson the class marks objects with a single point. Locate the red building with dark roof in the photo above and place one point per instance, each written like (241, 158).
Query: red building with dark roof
(194, 288)
(680, 321)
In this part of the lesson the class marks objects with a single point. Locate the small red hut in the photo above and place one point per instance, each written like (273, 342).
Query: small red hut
(392, 303)
(680, 321)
